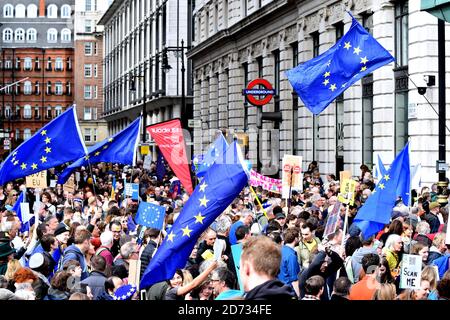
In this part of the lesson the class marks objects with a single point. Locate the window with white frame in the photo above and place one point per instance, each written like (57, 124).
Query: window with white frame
(17, 114)
(95, 48)
(66, 35)
(52, 35)
(48, 114)
(88, 5)
(66, 11)
(58, 88)
(87, 92)
(37, 88)
(58, 110)
(95, 92)
(27, 87)
(36, 112)
(7, 111)
(20, 35)
(52, 11)
(26, 133)
(20, 11)
(7, 35)
(32, 11)
(95, 70)
(8, 11)
(17, 136)
(87, 134)
(59, 64)
(95, 134)
(27, 111)
(88, 48)
(87, 25)
(27, 64)
(31, 35)
(8, 88)
(87, 113)
(88, 70)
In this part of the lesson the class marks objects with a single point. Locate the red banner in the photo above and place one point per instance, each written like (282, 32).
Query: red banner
(169, 138)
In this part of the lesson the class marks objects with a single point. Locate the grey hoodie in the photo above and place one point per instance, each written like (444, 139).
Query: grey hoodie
(357, 259)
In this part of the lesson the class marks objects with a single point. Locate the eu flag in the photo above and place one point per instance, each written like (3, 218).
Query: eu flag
(150, 215)
(120, 148)
(376, 212)
(160, 166)
(381, 169)
(215, 150)
(16, 208)
(320, 80)
(222, 183)
(56, 143)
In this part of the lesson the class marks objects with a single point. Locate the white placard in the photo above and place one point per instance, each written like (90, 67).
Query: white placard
(53, 183)
(25, 211)
(77, 176)
(147, 162)
(411, 271)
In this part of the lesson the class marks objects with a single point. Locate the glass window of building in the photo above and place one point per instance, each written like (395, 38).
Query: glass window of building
(27, 87)
(20, 35)
(27, 111)
(52, 11)
(88, 70)
(32, 10)
(31, 35)
(7, 35)
(20, 11)
(27, 64)
(401, 32)
(66, 11)
(8, 11)
(52, 35)
(59, 65)
(87, 92)
(66, 35)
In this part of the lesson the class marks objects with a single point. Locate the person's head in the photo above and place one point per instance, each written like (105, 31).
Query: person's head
(81, 240)
(112, 284)
(177, 279)
(247, 217)
(98, 263)
(314, 286)
(260, 261)
(242, 233)
(52, 223)
(396, 227)
(394, 243)
(49, 243)
(116, 228)
(106, 238)
(423, 227)
(370, 264)
(439, 241)
(291, 236)
(152, 234)
(222, 280)
(420, 249)
(129, 250)
(73, 267)
(341, 287)
(223, 225)
(210, 237)
(386, 291)
(434, 207)
(306, 232)
(24, 275)
(62, 233)
(422, 293)
(443, 288)
(12, 267)
(79, 296)
(429, 274)
(46, 197)
(291, 220)
(59, 280)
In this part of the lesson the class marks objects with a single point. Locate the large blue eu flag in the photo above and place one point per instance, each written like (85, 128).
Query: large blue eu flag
(56, 143)
(215, 151)
(150, 215)
(120, 148)
(221, 184)
(320, 80)
(376, 212)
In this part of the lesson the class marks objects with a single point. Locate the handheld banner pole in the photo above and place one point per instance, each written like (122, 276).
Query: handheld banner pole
(259, 202)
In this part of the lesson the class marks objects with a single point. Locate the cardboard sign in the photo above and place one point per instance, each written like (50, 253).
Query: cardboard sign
(147, 162)
(145, 150)
(291, 174)
(236, 251)
(25, 211)
(208, 255)
(333, 220)
(132, 190)
(69, 186)
(347, 194)
(344, 175)
(37, 180)
(411, 271)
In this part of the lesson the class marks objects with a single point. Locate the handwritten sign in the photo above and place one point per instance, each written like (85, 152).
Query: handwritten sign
(344, 175)
(69, 186)
(37, 180)
(411, 271)
(347, 194)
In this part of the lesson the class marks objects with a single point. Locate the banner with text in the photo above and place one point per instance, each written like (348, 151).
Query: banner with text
(292, 175)
(269, 184)
(37, 180)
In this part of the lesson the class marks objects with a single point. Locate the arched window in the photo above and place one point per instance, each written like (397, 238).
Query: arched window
(66, 35)
(27, 87)
(66, 11)
(31, 35)
(20, 11)
(8, 11)
(52, 11)
(52, 35)
(26, 133)
(32, 11)
(27, 111)
(7, 35)
(58, 110)
(27, 64)
(20, 35)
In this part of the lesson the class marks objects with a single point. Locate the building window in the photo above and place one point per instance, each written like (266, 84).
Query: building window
(95, 48)
(87, 25)
(17, 136)
(95, 134)
(31, 35)
(87, 113)
(316, 137)
(401, 109)
(58, 111)
(95, 70)
(20, 35)
(27, 112)
(32, 11)
(315, 39)
(68, 88)
(246, 80)
(49, 88)
(37, 64)
(88, 5)
(49, 64)
(69, 64)
(66, 35)
(8, 11)
(8, 88)
(368, 22)
(88, 70)
(7, 111)
(58, 88)
(17, 89)
(37, 88)
(52, 11)
(48, 114)
(20, 11)
(66, 11)
(27, 87)
(277, 83)
(52, 35)
(401, 32)
(87, 134)
(26, 133)
(367, 119)
(7, 35)
(88, 48)
(87, 92)
(58, 64)
(36, 112)
(27, 64)
(95, 92)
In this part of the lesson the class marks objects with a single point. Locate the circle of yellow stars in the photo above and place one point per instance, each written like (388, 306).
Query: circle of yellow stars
(381, 185)
(44, 158)
(99, 150)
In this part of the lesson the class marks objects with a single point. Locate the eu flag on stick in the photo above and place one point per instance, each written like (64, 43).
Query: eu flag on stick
(160, 167)
(376, 212)
(320, 80)
(150, 215)
(222, 183)
(215, 151)
(56, 143)
(120, 148)
(16, 208)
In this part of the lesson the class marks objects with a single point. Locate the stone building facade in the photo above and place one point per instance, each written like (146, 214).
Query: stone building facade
(237, 41)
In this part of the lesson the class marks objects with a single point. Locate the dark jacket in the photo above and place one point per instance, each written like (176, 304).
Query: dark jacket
(73, 253)
(40, 286)
(271, 290)
(202, 247)
(433, 221)
(96, 281)
(338, 298)
(54, 294)
(146, 255)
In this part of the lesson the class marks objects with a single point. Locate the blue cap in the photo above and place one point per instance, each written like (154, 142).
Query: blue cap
(125, 292)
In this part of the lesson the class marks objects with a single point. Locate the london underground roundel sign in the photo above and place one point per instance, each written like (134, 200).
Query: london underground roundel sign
(252, 94)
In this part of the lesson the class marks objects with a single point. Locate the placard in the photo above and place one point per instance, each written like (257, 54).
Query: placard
(332, 220)
(147, 162)
(69, 186)
(344, 175)
(411, 271)
(53, 183)
(145, 150)
(77, 176)
(37, 180)
(291, 174)
(347, 194)
(25, 212)
(132, 190)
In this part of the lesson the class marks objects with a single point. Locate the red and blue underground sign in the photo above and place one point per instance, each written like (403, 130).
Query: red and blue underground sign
(259, 96)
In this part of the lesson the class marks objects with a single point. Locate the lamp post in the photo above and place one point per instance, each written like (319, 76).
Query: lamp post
(133, 89)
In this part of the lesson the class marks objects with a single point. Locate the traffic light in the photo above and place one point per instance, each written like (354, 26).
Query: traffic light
(165, 61)
(132, 83)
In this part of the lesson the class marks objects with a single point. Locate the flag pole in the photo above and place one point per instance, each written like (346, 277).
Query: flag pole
(410, 193)
(259, 202)
(254, 211)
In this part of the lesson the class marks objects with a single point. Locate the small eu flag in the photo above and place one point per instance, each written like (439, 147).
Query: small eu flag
(56, 143)
(222, 183)
(322, 79)
(150, 215)
(215, 151)
(25, 220)
(376, 211)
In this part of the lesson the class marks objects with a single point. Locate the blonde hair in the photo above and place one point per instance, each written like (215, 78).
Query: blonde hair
(187, 277)
(385, 292)
(429, 274)
(13, 266)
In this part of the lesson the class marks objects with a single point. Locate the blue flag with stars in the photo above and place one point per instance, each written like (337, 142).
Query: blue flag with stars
(216, 149)
(222, 183)
(150, 215)
(376, 212)
(16, 208)
(322, 79)
(160, 166)
(120, 148)
(56, 143)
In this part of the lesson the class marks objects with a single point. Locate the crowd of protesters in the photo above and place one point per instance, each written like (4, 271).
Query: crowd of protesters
(85, 241)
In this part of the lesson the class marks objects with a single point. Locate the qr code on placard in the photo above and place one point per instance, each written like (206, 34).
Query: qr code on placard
(412, 260)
